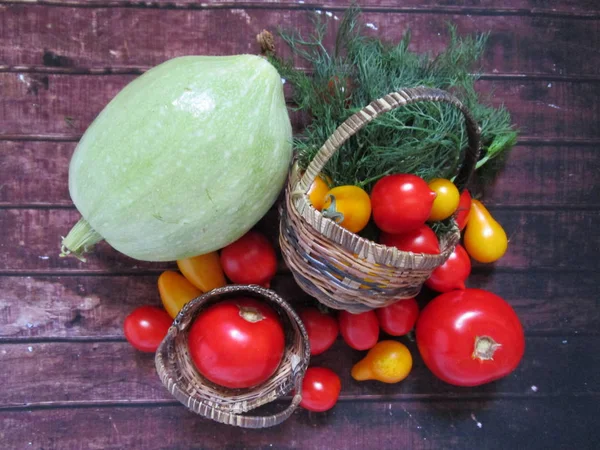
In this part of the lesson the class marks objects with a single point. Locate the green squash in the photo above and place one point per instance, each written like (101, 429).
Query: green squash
(184, 160)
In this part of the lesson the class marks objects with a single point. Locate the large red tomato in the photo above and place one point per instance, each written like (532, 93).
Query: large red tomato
(453, 273)
(360, 331)
(322, 329)
(401, 203)
(320, 389)
(463, 210)
(421, 240)
(249, 260)
(470, 337)
(237, 343)
(146, 327)
(398, 318)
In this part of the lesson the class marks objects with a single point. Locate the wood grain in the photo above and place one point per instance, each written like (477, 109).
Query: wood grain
(546, 176)
(538, 239)
(51, 104)
(75, 39)
(548, 423)
(113, 372)
(43, 308)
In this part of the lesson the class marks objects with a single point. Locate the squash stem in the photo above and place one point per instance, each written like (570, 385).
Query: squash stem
(80, 240)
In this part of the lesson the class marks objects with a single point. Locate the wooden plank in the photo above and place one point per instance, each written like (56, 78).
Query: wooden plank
(56, 104)
(538, 239)
(94, 307)
(548, 423)
(547, 176)
(113, 372)
(76, 39)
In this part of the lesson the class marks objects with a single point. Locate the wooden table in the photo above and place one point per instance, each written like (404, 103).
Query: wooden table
(68, 378)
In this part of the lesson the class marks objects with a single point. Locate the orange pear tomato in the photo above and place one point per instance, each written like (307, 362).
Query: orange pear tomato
(203, 271)
(388, 362)
(175, 291)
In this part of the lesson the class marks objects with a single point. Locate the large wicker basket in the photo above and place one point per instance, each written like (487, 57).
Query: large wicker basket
(178, 373)
(339, 268)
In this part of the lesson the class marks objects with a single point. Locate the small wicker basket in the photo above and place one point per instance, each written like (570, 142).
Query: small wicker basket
(339, 268)
(178, 373)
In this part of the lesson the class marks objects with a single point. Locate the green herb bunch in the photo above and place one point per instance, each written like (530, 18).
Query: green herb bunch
(426, 139)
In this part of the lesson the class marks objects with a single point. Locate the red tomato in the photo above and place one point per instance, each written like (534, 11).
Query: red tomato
(401, 203)
(320, 389)
(146, 327)
(237, 343)
(249, 260)
(463, 210)
(421, 240)
(398, 318)
(470, 337)
(360, 331)
(453, 273)
(322, 329)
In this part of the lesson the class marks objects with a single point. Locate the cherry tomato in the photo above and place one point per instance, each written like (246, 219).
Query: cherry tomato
(237, 343)
(322, 329)
(318, 190)
(484, 238)
(401, 203)
(203, 271)
(453, 273)
(388, 362)
(175, 291)
(463, 210)
(446, 200)
(249, 260)
(320, 389)
(470, 337)
(349, 206)
(421, 240)
(146, 327)
(360, 331)
(398, 318)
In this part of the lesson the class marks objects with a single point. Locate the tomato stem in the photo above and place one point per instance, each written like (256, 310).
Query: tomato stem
(250, 314)
(485, 347)
(331, 212)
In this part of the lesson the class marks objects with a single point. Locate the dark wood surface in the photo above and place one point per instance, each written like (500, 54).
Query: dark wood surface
(68, 378)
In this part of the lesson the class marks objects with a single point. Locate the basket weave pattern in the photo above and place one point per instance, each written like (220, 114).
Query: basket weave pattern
(179, 375)
(339, 268)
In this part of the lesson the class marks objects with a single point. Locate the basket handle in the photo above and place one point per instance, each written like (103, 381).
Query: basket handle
(387, 103)
(248, 421)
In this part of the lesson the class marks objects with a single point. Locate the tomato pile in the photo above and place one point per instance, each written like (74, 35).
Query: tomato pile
(466, 337)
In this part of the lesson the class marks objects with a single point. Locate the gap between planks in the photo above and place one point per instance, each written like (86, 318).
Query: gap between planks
(440, 9)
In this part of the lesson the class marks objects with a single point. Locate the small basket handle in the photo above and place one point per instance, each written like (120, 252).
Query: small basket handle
(392, 101)
(248, 421)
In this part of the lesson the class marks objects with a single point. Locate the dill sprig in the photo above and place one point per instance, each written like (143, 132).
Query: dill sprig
(427, 139)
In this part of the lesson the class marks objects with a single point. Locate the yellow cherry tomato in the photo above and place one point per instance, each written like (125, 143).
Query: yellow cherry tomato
(484, 239)
(203, 271)
(388, 362)
(349, 206)
(318, 190)
(175, 291)
(446, 200)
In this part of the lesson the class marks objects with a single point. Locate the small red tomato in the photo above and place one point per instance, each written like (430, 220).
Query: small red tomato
(320, 389)
(237, 343)
(146, 327)
(453, 273)
(463, 210)
(398, 318)
(401, 203)
(421, 240)
(360, 331)
(322, 329)
(249, 260)
(470, 337)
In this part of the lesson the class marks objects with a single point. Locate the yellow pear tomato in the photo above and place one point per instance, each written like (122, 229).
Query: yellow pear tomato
(388, 361)
(485, 240)
(349, 206)
(175, 291)
(446, 200)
